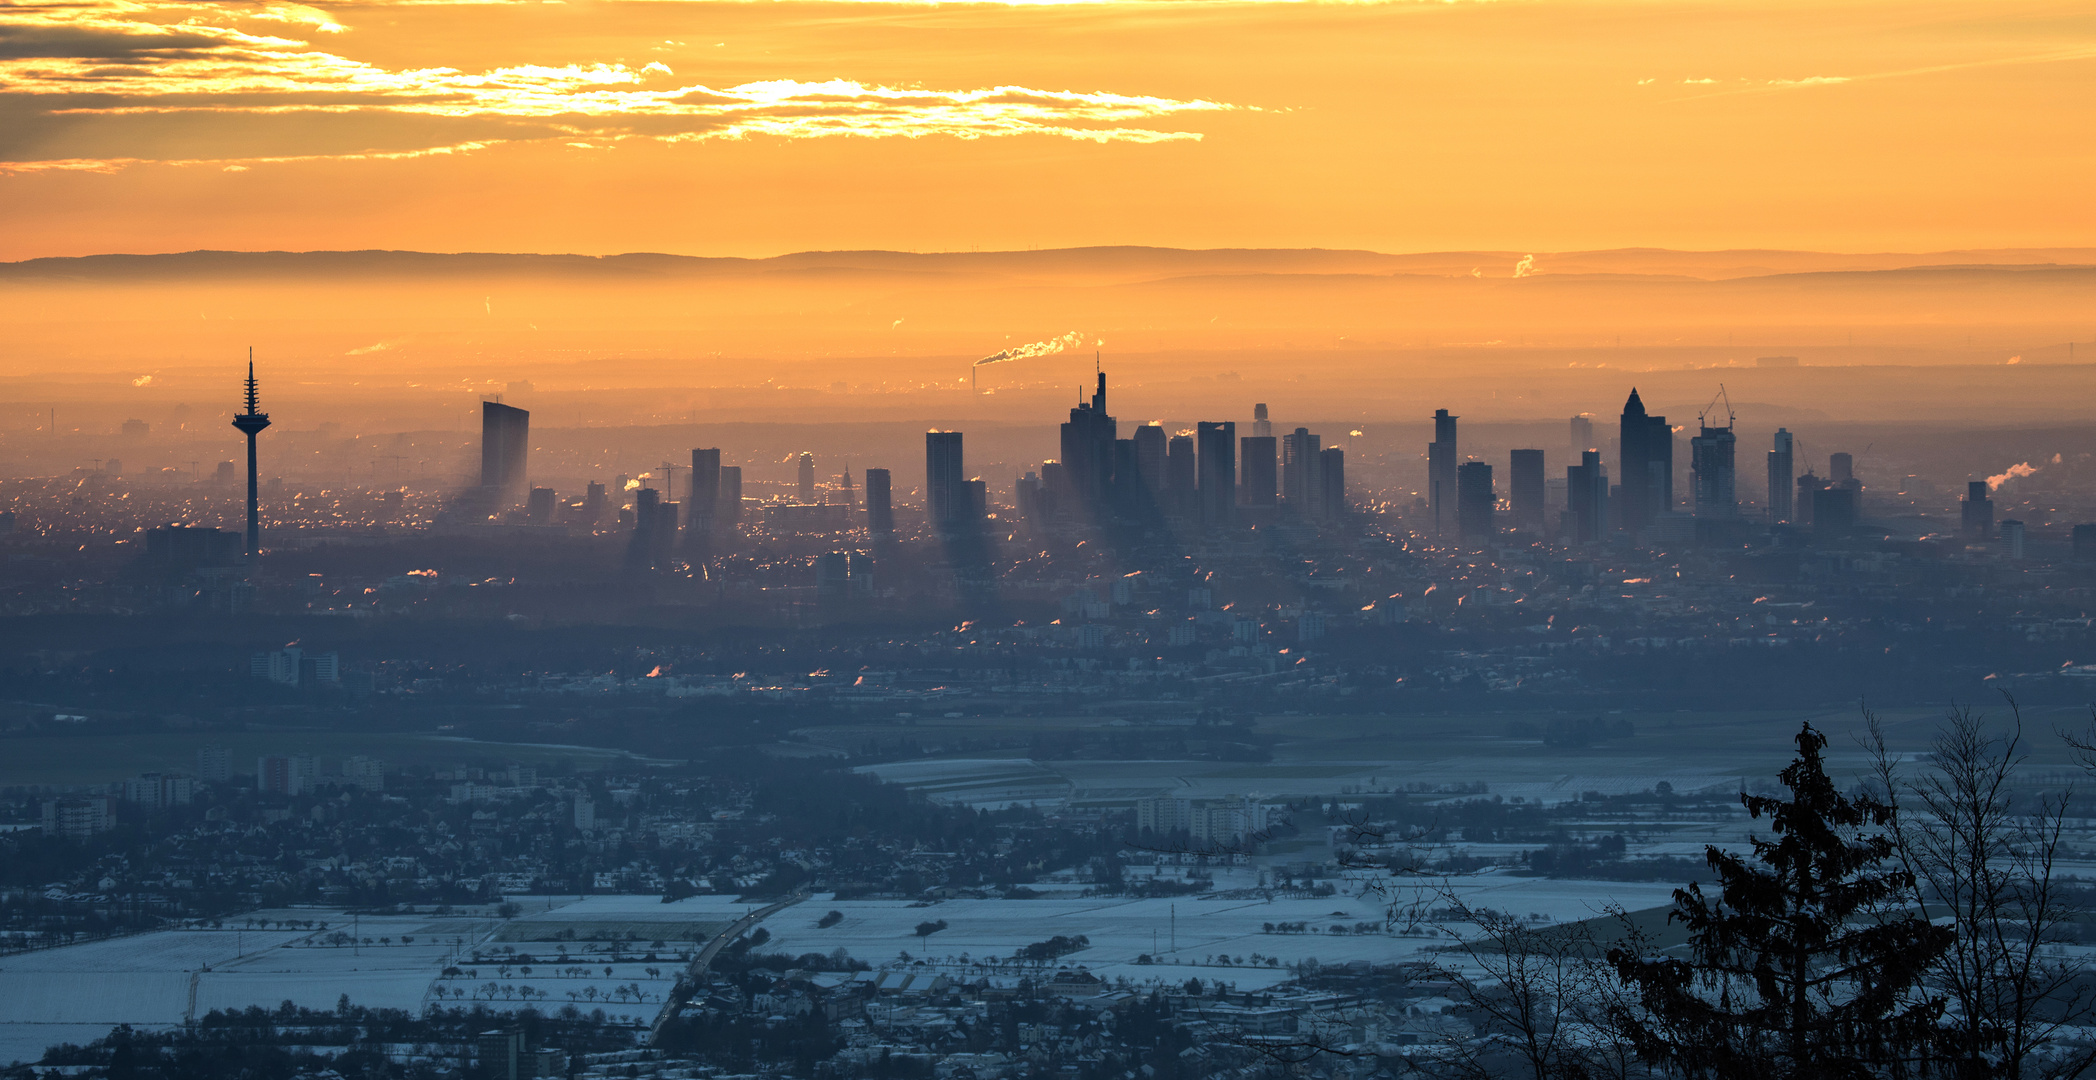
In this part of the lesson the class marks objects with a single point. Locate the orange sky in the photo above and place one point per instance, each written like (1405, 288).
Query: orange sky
(759, 127)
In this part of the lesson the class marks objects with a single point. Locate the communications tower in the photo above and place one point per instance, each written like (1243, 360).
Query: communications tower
(251, 424)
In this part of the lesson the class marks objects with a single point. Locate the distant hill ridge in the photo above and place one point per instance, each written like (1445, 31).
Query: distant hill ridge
(1098, 264)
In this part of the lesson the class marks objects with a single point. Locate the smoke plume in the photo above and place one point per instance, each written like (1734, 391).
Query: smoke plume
(1049, 347)
(2015, 472)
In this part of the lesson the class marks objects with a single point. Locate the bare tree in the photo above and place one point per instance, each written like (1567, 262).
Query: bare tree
(1983, 855)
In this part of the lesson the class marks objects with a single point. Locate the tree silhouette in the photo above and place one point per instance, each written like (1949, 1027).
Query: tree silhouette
(1804, 965)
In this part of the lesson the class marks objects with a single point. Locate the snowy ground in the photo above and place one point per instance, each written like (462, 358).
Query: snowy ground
(1206, 930)
(79, 992)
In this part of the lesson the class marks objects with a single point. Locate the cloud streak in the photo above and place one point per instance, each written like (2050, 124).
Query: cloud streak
(117, 64)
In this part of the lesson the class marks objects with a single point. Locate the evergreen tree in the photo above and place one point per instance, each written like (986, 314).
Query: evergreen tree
(1802, 966)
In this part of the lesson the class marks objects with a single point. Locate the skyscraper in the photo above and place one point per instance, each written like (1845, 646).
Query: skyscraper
(1261, 426)
(1781, 475)
(1841, 468)
(1712, 470)
(505, 439)
(595, 504)
(1182, 475)
(727, 507)
(1257, 470)
(1582, 433)
(251, 424)
(1301, 489)
(945, 500)
(1217, 443)
(1475, 501)
(1441, 464)
(1586, 498)
(807, 478)
(1646, 458)
(1087, 449)
(880, 512)
(702, 501)
(1150, 454)
(1525, 488)
(1331, 479)
(1976, 513)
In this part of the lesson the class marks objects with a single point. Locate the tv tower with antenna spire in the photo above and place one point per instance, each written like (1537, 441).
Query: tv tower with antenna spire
(251, 424)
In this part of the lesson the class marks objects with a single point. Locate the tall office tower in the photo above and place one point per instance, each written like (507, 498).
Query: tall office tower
(1300, 486)
(538, 509)
(844, 485)
(1331, 479)
(1841, 468)
(654, 524)
(1258, 476)
(1087, 446)
(1261, 426)
(251, 424)
(1525, 488)
(1475, 501)
(727, 507)
(807, 478)
(1441, 464)
(1833, 512)
(1808, 485)
(225, 475)
(945, 501)
(1181, 475)
(702, 501)
(1646, 472)
(1712, 472)
(880, 512)
(1217, 443)
(505, 437)
(1781, 464)
(1976, 513)
(1586, 498)
(1582, 432)
(2012, 538)
(1149, 455)
(595, 504)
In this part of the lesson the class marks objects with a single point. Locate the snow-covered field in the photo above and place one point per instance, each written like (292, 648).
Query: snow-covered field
(1205, 930)
(79, 992)
(157, 980)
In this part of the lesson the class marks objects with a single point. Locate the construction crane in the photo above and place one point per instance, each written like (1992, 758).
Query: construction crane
(1703, 418)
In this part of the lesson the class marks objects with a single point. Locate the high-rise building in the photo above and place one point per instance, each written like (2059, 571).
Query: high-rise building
(215, 764)
(727, 508)
(1475, 502)
(2012, 538)
(1331, 480)
(1088, 452)
(505, 440)
(1646, 471)
(286, 774)
(251, 424)
(1582, 432)
(1441, 462)
(1258, 478)
(1525, 488)
(844, 487)
(1781, 468)
(945, 474)
(1217, 443)
(1712, 470)
(1976, 513)
(2084, 540)
(1808, 485)
(807, 478)
(1261, 426)
(1841, 468)
(1833, 513)
(702, 499)
(1586, 499)
(1181, 475)
(1301, 489)
(880, 511)
(538, 509)
(159, 790)
(1150, 454)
